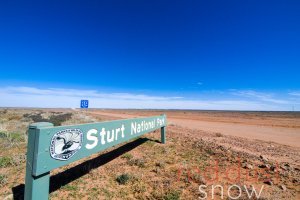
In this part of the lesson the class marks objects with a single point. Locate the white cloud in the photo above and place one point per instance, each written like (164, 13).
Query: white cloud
(70, 98)
(266, 97)
(80, 93)
(297, 93)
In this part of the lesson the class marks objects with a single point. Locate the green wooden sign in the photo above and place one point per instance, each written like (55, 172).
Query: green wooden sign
(52, 147)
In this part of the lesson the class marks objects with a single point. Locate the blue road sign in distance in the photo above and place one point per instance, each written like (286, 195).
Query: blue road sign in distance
(84, 103)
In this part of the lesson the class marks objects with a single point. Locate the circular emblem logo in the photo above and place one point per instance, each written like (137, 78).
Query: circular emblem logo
(64, 144)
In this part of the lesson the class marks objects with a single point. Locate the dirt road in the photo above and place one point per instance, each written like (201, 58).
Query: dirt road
(281, 135)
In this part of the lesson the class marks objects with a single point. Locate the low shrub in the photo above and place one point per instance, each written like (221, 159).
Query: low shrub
(3, 135)
(16, 137)
(127, 156)
(55, 119)
(3, 179)
(172, 195)
(5, 161)
(219, 134)
(123, 179)
(137, 162)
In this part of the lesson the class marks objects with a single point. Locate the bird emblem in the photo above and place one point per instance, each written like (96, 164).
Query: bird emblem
(67, 140)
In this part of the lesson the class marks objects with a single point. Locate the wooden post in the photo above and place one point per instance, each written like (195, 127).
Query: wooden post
(36, 187)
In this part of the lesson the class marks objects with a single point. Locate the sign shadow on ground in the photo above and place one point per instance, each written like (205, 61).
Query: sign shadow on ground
(59, 180)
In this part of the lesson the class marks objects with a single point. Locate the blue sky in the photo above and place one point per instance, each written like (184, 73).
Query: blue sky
(151, 54)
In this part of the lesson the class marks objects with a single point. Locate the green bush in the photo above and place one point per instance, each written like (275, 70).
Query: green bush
(172, 195)
(17, 137)
(127, 156)
(5, 161)
(3, 135)
(12, 137)
(123, 179)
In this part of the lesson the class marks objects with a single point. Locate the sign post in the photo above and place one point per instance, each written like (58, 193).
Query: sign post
(33, 189)
(52, 147)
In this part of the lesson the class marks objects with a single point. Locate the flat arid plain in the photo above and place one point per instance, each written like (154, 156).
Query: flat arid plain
(236, 150)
